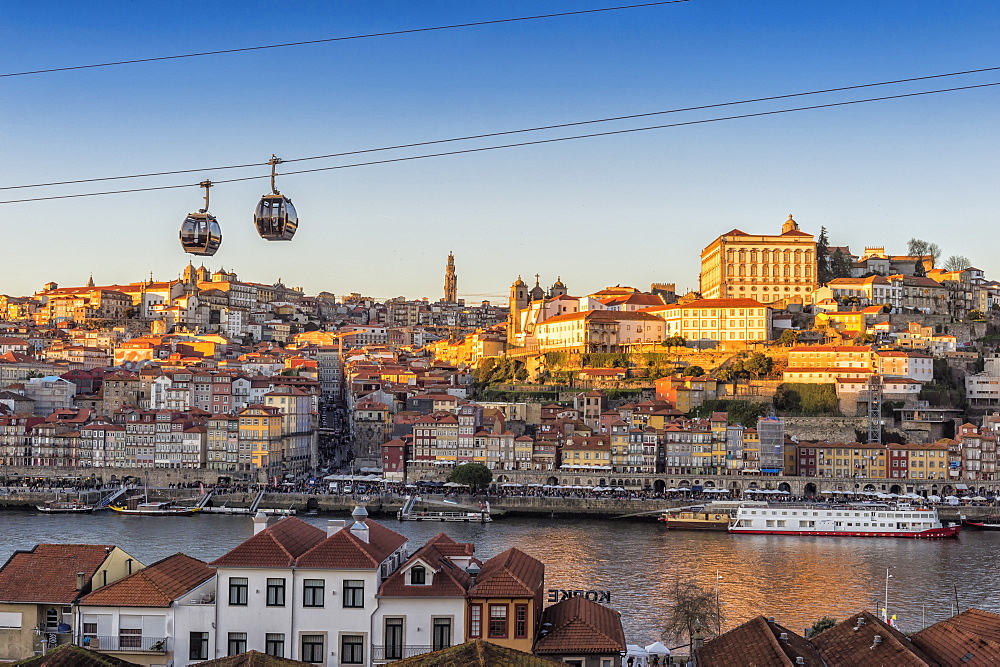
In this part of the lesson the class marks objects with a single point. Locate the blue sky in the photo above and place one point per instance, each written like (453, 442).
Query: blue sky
(627, 209)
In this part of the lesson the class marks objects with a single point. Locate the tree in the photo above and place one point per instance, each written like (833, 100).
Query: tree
(921, 248)
(695, 610)
(758, 365)
(975, 315)
(674, 341)
(693, 371)
(788, 337)
(840, 265)
(823, 258)
(957, 263)
(473, 475)
(821, 625)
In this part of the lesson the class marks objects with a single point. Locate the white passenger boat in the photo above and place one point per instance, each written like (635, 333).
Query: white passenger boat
(855, 520)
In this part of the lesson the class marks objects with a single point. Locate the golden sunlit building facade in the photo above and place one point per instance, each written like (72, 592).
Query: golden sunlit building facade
(767, 268)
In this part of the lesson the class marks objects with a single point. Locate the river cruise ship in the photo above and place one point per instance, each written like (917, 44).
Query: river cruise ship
(858, 520)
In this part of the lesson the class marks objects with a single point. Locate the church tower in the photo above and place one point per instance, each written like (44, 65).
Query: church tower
(90, 283)
(790, 225)
(450, 281)
(518, 302)
(558, 289)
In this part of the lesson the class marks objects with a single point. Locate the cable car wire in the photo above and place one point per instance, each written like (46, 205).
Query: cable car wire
(508, 132)
(345, 38)
(524, 143)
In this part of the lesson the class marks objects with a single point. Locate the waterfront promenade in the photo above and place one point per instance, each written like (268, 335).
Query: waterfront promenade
(624, 506)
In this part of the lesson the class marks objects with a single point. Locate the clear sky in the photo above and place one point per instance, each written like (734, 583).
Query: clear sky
(629, 209)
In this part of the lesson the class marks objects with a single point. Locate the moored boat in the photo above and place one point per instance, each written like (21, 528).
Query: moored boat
(859, 520)
(64, 507)
(715, 516)
(981, 525)
(154, 509)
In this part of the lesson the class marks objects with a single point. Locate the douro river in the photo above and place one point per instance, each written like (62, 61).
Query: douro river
(795, 579)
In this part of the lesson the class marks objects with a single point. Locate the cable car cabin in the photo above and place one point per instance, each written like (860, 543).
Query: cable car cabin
(275, 218)
(201, 234)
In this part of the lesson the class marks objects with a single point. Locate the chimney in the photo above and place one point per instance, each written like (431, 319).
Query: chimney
(259, 522)
(878, 639)
(473, 569)
(359, 528)
(334, 525)
(799, 660)
(81, 580)
(783, 637)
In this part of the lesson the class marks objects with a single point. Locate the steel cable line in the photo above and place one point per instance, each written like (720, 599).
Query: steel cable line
(346, 38)
(523, 143)
(508, 132)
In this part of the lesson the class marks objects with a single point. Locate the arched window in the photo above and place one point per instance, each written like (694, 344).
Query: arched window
(786, 270)
(743, 270)
(788, 256)
(418, 575)
(796, 270)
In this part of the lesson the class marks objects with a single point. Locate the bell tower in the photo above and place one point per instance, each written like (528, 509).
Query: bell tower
(790, 225)
(450, 281)
(518, 302)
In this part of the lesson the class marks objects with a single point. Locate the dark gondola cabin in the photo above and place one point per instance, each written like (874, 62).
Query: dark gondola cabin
(275, 218)
(201, 234)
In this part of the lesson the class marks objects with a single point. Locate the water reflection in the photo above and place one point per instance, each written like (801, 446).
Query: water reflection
(795, 579)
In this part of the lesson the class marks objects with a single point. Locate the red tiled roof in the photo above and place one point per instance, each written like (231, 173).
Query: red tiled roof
(851, 642)
(757, 642)
(954, 645)
(511, 574)
(277, 546)
(447, 578)
(20, 580)
(581, 626)
(71, 655)
(345, 550)
(978, 622)
(155, 586)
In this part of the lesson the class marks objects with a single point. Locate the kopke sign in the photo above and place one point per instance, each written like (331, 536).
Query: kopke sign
(560, 594)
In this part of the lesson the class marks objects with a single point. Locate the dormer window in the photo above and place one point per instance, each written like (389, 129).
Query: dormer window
(418, 575)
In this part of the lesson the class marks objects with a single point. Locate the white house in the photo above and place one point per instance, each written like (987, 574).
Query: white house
(161, 615)
(296, 591)
(422, 605)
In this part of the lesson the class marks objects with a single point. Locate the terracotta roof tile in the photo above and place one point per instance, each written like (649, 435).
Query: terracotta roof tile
(952, 645)
(447, 578)
(477, 653)
(851, 642)
(581, 626)
(155, 586)
(345, 550)
(757, 642)
(71, 655)
(19, 580)
(276, 546)
(512, 573)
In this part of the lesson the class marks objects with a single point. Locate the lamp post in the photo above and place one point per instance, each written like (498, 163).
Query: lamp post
(718, 608)
(885, 609)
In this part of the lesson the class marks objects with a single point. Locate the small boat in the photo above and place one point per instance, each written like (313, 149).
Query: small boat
(64, 507)
(714, 516)
(154, 509)
(980, 525)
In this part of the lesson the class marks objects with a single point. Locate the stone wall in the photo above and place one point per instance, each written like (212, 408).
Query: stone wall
(830, 429)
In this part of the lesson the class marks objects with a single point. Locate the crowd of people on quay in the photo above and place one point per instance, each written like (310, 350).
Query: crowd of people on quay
(374, 486)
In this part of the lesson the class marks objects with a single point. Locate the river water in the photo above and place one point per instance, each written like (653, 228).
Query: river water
(794, 579)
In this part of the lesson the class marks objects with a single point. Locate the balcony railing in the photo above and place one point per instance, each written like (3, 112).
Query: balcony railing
(126, 643)
(388, 653)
